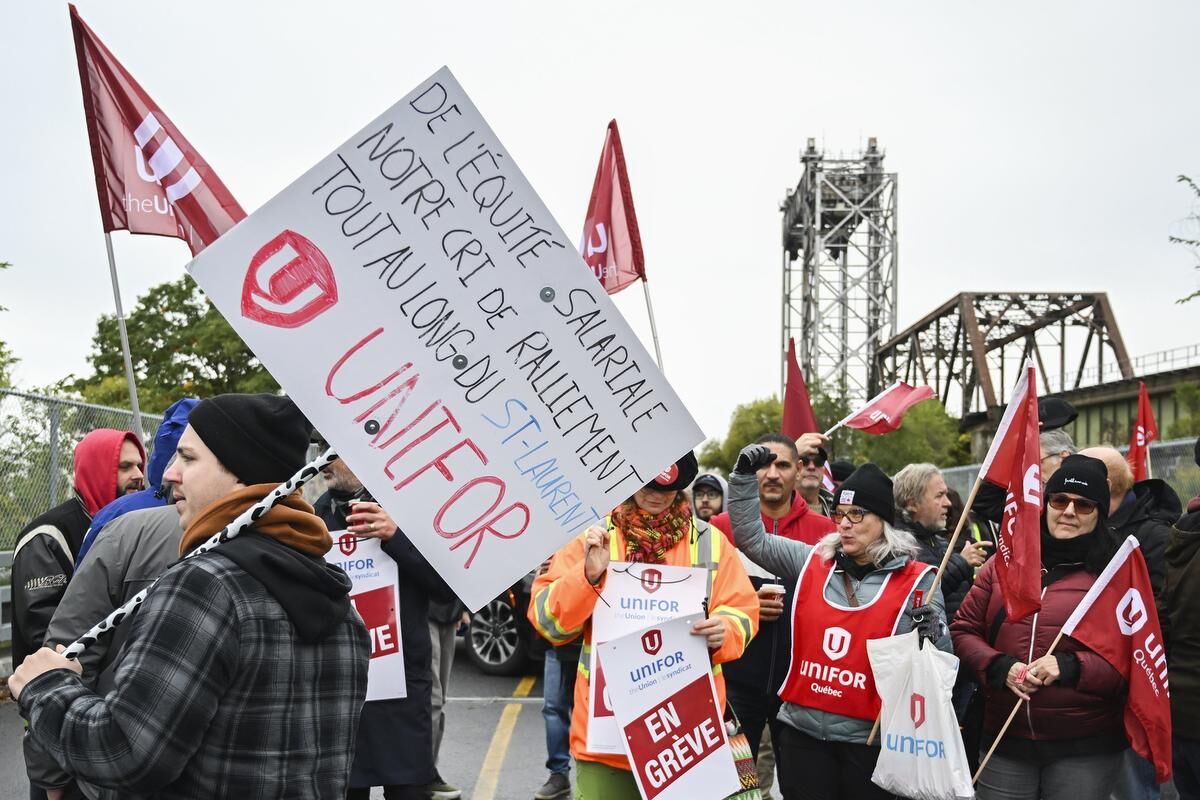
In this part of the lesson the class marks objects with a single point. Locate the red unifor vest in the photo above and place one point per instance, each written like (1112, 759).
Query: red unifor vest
(830, 670)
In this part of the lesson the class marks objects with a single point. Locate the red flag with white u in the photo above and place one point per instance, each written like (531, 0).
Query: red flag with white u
(1013, 463)
(885, 412)
(1145, 431)
(149, 179)
(612, 245)
(1117, 620)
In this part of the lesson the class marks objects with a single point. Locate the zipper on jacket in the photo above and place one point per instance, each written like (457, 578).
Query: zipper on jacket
(775, 635)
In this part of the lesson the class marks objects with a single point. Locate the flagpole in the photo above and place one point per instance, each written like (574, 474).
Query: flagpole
(653, 327)
(133, 398)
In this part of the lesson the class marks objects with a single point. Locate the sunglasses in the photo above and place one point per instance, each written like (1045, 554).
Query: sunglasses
(809, 461)
(855, 515)
(1083, 507)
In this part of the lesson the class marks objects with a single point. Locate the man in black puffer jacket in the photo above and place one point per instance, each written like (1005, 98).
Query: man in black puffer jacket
(921, 505)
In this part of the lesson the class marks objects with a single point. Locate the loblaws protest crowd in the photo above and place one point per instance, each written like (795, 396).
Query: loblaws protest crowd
(244, 672)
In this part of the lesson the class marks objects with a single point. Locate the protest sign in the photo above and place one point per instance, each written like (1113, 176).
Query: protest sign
(415, 298)
(665, 702)
(377, 599)
(634, 596)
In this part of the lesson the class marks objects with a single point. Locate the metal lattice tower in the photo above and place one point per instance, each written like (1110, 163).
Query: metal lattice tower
(839, 269)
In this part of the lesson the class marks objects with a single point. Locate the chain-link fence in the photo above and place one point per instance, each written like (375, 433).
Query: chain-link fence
(37, 440)
(1173, 461)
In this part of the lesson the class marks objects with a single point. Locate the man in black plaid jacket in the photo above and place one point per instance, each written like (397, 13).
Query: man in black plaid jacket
(246, 668)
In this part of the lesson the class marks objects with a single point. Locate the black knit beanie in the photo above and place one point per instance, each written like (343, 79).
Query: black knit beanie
(1084, 476)
(260, 438)
(868, 487)
(678, 476)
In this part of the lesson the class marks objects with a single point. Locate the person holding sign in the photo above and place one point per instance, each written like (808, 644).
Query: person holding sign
(237, 654)
(394, 747)
(1068, 741)
(861, 582)
(655, 526)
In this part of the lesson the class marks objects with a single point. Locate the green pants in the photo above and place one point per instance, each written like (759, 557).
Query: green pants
(595, 781)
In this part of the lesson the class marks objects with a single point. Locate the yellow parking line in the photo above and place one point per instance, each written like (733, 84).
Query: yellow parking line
(489, 773)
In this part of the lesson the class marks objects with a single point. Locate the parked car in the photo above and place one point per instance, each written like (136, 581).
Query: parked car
(500, 640)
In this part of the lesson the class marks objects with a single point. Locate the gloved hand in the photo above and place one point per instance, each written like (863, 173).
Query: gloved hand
(753, 458)
(927, 621)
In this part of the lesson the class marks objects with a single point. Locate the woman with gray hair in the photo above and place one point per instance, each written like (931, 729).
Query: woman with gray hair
(861, 582)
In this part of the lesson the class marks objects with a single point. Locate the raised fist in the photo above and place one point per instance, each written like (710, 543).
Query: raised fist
(753, 458)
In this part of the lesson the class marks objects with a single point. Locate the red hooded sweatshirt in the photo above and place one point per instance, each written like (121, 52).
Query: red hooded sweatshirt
(97, 457)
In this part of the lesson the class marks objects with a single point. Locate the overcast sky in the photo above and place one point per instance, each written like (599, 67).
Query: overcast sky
(1037, 145)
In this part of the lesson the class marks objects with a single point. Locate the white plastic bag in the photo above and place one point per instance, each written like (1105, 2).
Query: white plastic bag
(922, 754)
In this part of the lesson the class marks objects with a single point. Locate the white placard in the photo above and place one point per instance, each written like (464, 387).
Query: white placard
(666, 707)
(414, 296)
(635, 595)
(376, 597)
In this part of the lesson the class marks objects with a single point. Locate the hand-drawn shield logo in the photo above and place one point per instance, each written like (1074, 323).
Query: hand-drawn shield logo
(836, 642)
(288, 283)
(347, 543)
(652, 642)
(916, 710)
(651, 579)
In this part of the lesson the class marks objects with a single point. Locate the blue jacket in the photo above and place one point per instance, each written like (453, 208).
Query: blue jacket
(165, 442)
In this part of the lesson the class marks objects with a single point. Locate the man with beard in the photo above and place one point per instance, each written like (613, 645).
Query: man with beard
(810, 482)
(708, 495)
(395, 744)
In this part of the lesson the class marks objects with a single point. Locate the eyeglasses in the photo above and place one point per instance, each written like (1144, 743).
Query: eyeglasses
(855, 515)
(710, 493)
(810, 461)
(1083, 506)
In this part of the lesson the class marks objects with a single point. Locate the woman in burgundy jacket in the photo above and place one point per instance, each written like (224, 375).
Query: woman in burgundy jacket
(1067, 740)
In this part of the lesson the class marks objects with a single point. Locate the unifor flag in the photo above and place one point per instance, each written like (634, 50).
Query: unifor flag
(885, 412)
(611, 244)
(1013, 463)
(1145, 431)
(149, 179)
(798, 417)
(1118, 621)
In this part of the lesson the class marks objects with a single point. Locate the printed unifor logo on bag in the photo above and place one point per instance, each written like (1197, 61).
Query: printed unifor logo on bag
(289, 282)
(652, 642)
(348, 543)
(916, 709)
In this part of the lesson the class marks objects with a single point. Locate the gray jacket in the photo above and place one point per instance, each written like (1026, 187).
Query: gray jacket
(785, 557)
(136, 548)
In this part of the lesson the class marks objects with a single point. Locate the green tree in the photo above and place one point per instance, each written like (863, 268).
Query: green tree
(180, 344)
(1187, 425)
(929, 434)
(748, 422)
(7, 359)
(1191, 244)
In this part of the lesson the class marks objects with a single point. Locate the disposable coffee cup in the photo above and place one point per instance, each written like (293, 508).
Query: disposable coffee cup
(776, 588)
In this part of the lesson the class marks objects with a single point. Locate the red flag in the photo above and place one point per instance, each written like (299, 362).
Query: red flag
(1117, 620)
(885, 412)
(797, 410)
(149, 179)
(1014, 463)
(611, 244)
(1145, 431)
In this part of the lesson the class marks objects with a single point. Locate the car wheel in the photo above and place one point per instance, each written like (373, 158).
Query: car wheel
(494, 641)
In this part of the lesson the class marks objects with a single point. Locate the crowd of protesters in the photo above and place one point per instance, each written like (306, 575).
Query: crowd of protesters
(243, 674)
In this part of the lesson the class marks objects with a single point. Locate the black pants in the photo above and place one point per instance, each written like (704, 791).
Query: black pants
(391, 793)
(810, 769)
(755, 711)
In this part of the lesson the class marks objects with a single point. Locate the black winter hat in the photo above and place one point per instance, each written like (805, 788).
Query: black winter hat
(709, 480)
(678, 476)
(868, 487)
(841, 470)
(260, 438)
(1084, 476)
(1054, 413)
